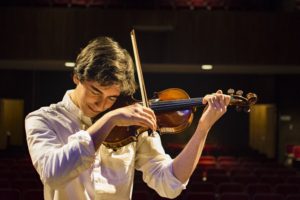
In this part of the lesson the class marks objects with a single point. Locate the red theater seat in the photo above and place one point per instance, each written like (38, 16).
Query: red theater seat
(257, 188)
(230, 187)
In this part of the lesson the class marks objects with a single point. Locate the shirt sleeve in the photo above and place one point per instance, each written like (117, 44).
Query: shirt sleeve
(57, 163)
(156, 166)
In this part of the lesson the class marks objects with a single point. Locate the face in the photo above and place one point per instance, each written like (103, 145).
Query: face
(92, 98)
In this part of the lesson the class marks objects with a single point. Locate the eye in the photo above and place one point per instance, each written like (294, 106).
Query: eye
(94, 92)
(113, 99)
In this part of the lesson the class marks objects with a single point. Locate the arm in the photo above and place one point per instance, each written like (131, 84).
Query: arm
(57, 157)
(185, 163)
(127, 116)
(156, 166)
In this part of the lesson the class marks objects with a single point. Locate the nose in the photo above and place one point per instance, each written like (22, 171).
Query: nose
(99, 106)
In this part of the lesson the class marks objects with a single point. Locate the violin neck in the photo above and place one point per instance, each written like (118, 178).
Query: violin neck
(170, 105)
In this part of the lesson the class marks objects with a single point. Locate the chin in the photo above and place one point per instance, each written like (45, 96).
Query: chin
(90, 114)
(93, 115)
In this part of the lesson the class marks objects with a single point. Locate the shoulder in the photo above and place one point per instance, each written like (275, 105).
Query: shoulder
(45, 110)
(45, 114)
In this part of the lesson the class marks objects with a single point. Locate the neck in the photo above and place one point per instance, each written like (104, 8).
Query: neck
(73, 98)
(170, 105)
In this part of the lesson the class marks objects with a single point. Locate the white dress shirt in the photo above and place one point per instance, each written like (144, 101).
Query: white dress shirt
(65, 158)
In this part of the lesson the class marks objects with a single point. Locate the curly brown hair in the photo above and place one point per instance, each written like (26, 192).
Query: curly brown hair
(105, 61)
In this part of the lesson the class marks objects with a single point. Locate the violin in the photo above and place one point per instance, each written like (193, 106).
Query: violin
(173, 108)
(174, 111)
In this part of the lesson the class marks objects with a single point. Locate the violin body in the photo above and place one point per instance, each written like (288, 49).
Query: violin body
(173, 120)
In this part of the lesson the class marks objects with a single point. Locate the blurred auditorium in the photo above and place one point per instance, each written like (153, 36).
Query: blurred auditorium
(200, 46)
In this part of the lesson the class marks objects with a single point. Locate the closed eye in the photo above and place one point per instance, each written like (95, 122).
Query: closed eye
(113, 98)
(95, 92)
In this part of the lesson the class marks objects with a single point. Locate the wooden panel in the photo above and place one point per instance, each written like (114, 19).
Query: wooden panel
(12, 122)
(3, 142)
(187, 37)
(263, 129)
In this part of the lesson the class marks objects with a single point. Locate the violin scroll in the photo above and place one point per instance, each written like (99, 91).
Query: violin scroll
(240, 102)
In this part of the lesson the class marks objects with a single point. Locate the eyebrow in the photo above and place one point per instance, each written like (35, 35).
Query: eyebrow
(94, 88)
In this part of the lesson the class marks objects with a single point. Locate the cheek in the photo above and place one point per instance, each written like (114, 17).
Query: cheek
(90, 100)
(85, 99)
(109, 104)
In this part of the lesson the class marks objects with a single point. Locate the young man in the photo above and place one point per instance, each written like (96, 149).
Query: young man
(65, 146)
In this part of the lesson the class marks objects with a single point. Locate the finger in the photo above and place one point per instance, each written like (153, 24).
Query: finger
(150, 111)
(146, 122)
(210, 100)
(223, 107)
(219, 92)
(206, 99)
(146, 116)
(217, 102)
(222, 101)
(150, 119)
(227, 99)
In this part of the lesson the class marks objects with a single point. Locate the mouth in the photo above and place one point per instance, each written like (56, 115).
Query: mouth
(93, 111)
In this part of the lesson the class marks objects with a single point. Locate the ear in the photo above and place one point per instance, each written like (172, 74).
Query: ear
(75, 79)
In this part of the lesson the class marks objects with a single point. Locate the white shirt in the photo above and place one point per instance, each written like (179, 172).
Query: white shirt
(65, 158)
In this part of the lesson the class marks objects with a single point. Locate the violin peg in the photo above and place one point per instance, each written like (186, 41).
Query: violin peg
(252, 98)
(230, 91)
(239, 92)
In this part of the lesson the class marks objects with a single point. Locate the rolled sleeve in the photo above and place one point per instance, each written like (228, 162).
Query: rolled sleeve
(157, 167)
(85, 146)
(176, 184)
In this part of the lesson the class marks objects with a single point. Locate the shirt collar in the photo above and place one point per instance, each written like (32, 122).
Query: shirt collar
(71, 107)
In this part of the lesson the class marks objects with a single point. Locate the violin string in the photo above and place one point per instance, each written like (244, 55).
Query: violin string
(180, 101)
(175, 104)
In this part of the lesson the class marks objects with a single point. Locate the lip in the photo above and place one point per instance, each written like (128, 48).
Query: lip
(91, 109)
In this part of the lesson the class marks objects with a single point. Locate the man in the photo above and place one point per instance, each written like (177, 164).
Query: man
(65, 146)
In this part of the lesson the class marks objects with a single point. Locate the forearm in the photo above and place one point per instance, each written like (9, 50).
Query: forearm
(101, 129)
(185, 163)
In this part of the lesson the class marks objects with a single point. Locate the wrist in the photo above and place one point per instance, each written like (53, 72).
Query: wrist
(103, 124)
(101, 129)
(111, 119)
(203, 127)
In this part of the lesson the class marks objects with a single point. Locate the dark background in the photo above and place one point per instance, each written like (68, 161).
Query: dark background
(254, 47)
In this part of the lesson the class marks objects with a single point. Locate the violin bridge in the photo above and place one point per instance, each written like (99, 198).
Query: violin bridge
(167, 130)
